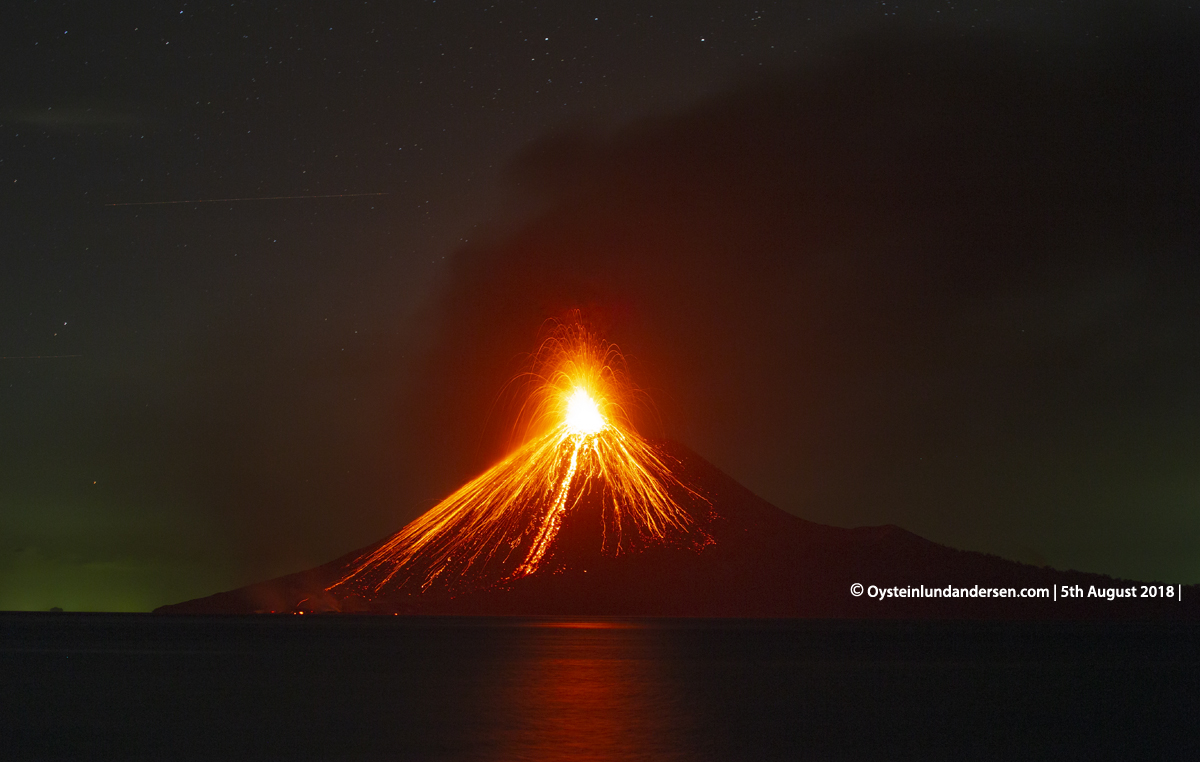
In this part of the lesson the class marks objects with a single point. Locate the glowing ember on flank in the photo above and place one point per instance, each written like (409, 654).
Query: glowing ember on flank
(578, 442)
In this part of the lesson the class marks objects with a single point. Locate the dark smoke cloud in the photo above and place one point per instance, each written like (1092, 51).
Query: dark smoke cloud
(946, 282)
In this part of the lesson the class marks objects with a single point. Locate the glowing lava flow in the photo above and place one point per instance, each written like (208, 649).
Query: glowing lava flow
(503, 524)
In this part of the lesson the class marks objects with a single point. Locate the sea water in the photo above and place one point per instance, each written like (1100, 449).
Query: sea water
(140, 687)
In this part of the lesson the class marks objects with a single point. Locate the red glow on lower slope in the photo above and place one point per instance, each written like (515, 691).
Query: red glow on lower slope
(504, 524)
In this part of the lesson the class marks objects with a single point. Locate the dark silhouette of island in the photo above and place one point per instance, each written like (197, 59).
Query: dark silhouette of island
(744, 558)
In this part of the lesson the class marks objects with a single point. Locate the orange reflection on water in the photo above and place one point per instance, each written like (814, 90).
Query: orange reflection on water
(590, 624)
(594, 690)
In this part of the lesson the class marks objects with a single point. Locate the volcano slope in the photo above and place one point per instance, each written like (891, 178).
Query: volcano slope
(740, 557)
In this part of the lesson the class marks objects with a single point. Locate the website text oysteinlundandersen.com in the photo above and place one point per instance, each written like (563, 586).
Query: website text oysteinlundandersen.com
(1061, 591)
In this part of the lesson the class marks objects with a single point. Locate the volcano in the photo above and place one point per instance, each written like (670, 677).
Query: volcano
(586, 517)
(739, 557)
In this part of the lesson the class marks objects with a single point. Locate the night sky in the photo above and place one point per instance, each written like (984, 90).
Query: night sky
(934, 264)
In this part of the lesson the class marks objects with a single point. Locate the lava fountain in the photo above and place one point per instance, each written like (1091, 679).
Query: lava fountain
(578, 445)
